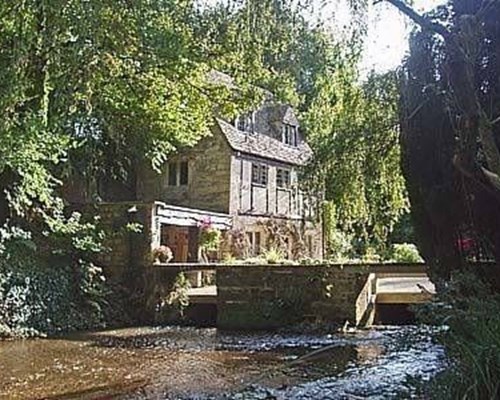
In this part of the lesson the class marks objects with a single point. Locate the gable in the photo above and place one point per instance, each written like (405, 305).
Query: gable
(264, 146)
(288, 116)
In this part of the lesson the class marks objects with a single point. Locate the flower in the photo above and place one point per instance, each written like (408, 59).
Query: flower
(205, 223)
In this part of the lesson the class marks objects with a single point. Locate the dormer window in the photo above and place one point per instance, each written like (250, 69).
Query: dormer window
(289, 135)
(245, 122)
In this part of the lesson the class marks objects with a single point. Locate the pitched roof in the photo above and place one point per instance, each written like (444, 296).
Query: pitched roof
(264, 146)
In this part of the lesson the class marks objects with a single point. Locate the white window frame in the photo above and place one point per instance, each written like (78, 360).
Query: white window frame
(262, 174)
(281, 174)
(289, 135)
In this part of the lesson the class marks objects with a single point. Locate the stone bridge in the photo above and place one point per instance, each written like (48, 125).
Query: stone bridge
(273, 296)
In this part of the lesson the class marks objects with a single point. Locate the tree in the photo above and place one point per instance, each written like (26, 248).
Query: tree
(269, 44)
(451, 133)
(353, 130)
(91, 89)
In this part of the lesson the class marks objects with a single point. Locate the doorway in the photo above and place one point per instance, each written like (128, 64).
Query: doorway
(176, 238)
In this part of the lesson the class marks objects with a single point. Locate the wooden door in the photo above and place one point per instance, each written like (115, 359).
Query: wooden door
(177, 239)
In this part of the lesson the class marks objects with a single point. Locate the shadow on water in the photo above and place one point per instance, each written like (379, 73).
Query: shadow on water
(190, 363)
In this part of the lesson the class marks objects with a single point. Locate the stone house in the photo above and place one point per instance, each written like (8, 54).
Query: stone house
(245, 178)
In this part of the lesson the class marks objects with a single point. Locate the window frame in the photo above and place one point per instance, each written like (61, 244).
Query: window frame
(289, 135)
(245, 122)
(254, 239)
(181, 173)
(283, 178)
(260, 174)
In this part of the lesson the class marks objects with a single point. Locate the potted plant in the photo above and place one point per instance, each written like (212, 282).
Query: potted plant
(209, 239)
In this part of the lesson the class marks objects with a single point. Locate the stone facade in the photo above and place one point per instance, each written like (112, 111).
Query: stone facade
(208, 178)
(219, 176)
(128, 249)
(274, 296)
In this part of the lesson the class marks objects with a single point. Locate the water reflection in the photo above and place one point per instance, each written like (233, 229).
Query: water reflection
(188, 363)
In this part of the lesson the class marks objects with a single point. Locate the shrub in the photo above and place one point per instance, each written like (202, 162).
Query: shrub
(405, 253)
(471, 310)
(210, 237)
(46, 294)
(339, 245)
(273, 255)
(177, 299)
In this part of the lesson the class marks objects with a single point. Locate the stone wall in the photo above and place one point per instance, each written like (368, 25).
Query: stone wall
(127, 264)
(209, 177)
(126, 249)
(273, 296)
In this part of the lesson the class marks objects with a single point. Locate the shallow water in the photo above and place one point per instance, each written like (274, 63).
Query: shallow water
(190, 363)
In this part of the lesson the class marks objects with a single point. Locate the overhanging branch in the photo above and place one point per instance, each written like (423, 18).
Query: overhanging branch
(419, 19)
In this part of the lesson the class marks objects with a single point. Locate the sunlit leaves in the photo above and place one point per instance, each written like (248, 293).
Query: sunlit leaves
(353, 130)
(101, 85)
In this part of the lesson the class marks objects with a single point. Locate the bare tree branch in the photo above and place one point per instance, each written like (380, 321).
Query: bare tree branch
(419, 19)
(485, 8)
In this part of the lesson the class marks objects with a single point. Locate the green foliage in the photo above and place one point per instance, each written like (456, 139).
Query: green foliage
(46, 296)
(210, 239)
(338, 243)
(353, 131)
(178, 296)
(470, 310)
(405, 253)
(89, 89)
(273, 255)
(403, 230)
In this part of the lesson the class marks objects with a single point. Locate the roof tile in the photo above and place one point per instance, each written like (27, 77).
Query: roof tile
(265, 146)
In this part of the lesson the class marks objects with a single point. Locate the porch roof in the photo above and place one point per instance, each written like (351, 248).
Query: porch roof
(183, 216)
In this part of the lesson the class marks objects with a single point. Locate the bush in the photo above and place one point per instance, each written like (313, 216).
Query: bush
(339, 245)
(273, 255)
(471, 310)
(405, 253)
(42, 295)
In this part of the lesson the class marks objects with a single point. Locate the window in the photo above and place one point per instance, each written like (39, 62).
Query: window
(283, 178)
(184, 174)
(178, 173)
(172, 174)
(259, 174)
(254, 243)
(245, 122)
(289, 134)
(241, 123)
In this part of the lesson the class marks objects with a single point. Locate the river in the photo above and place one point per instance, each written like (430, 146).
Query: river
(203, 363)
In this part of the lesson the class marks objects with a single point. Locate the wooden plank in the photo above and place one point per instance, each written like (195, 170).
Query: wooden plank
(203, 295)
(402, 275)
